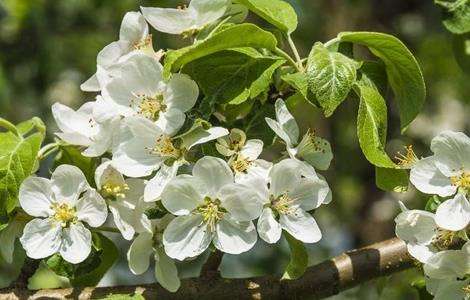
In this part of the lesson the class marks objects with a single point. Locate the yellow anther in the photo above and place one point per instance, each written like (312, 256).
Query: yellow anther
(113, 190)
(282, 204)
(408, 159)
(64, 214)
(444, 239)
(240, 164)
(211, 212)
(462, 180)
(151, 106)
(164, 147)
(144, 44)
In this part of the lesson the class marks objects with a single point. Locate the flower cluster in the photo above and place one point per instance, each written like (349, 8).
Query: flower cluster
(439, 239)
(150, 161)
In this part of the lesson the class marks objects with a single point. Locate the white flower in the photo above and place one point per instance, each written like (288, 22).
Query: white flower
(125, 199)
(448, 170)
(186, 20)
(209, 207)
(80, 128)
(133, 37)
(62, 212)
(448, 289)
(291, 190)
(149, 243)
(449, 264)
(312, 149)
(144, 148)
(453, 214)
(141, 90)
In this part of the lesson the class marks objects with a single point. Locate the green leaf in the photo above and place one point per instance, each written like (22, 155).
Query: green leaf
(372, 125)
(256, 127)
(404, 74)
(18, 160)
(373, 73)
(9, 272)
(456, 15)
(461, 46)
(60, 266)
(298, 81)
(71, 155)
(331, 76)
(279, 13)
(34, 123)
(298, 259)
(232, 76)
(391, 180)
(90, 274)
(242, 35)
(433, 203)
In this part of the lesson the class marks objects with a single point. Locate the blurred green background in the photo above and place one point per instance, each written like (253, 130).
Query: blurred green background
(49, 47)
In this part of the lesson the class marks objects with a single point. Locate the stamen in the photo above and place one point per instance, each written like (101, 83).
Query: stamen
(151, 106)
(211, 212)
(462, 180)
(64, 214)
(114, 191)
(444, 239)
(164, 147)
(143, 44)
(283, 204)
(408, 159)
(240, 164)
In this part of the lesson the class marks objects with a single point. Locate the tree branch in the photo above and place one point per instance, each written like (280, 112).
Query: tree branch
(325, 279)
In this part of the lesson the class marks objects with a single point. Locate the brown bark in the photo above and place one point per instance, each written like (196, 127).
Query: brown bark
(325, 279)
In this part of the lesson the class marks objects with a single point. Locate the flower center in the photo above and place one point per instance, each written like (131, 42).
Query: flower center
(466, 289)
(164, 147)
(282, 204)
(444, 239)
(408, 159)
(462, 180)
(114, 191)
(240, 164)
(150, 107)
(143, 44)
(64, 214)
(211, 212)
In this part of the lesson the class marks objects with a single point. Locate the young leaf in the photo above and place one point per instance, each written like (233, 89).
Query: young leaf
(456, 15)
(403, 71)
(331, 76)
(232, 76)
(277, 12)
(298, 81)
(242, 35)
(18, 158)
(71, 155)
(372, 125)
(391, 180)
(298, 259)
(432, 204)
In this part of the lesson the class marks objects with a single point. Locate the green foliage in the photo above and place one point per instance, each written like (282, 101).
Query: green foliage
(461, 46)
(298, 259)
(403, 71)
(393, 180)
(242, 35)
(456, 15)
(88, 273)
(277, 12)
(9, 272)
(232, 76)
(19, 147)
(432, 203)
(71, 155)
(331, 76)
(299, 82)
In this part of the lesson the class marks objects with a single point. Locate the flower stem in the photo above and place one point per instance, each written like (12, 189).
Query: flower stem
(9, 126)
(47, 149)
(289, 59)
(331, 42)
(296, 52)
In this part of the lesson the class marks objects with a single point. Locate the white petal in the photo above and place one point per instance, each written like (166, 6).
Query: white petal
(171, 121)
(186, 236)
(166, 272)
(452, 151)
(310, 193)
(252, 149)
(106, 173)
(156, 185)
(421, 252)
(241, 202)
(427, 178)
(450, 289)
(104, 109)
(214, 173)
(202, 136)
(208, 11)
(138, 255)
(174, 21)
(416, 227)
(133, 27)
(279, 131)
(92, 209)
(123, 219)
(181, 92)
(234, 237)
(91, 85)
(111, 54)
(76, 243)
(268, 228)
(453, 214)
(70, 121)
(182, 195)
(285, 176)
(41, 238)
(68, 182)
(35, 196)
(317, 152)
(258, 169)
(301, 225)
(102, 142)
(448, 263)
(287, 121)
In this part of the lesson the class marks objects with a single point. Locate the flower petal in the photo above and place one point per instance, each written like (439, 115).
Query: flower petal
(421, 252)
(166, 272)
(186, 236)
(208, 11)
(447, 264)
(181, 92)
(287, 121)
(234, 237)
(452, 151)
(182, 195)
(301, 225)
(68, 182)
(35, 196)
(41, 238)
(92, 209)
(453, 214)
(70, 121)
(91, 84)
(133, 27)
(123, 219)
(285, 176)
(316, 151)
(310, 193)
(252, 149)
(138, 255)
(171, 121)
(268, 228)
(106, 174)
(241, 202)
(202, 136)
(427, 178)
(214, 173)
(156, 185)
(174, 21)
(416, 227)
(76, 243)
